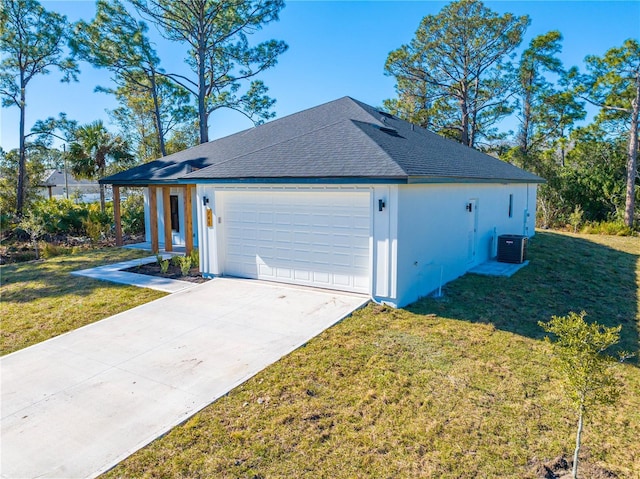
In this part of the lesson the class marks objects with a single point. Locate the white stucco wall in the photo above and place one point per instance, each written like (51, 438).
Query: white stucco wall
(422, 233)
(435, 230)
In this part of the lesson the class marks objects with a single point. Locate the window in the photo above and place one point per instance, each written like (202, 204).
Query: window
(511, 206)
(175, 219)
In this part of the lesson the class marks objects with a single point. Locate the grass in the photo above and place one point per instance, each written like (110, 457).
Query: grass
(42, 299)
(458, 387)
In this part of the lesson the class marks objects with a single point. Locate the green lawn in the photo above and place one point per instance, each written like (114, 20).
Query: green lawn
(41, 299)
(458, 387)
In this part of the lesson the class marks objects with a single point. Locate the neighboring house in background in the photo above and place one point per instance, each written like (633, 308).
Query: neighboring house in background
(80, 190)
(340, 196)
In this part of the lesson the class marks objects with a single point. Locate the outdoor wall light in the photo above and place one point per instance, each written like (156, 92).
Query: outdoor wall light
(381, 205)
(205, 201)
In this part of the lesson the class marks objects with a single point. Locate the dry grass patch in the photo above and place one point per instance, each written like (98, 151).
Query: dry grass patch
(42, 299)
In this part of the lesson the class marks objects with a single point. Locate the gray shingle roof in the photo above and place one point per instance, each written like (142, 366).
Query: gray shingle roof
(343, 140)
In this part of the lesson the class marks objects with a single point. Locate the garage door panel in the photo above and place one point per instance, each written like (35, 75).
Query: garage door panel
(283, 219)
(301, 219)
(266, 234)
(302, 275)
(284, 273)
(310, 238)
(342, 280)
(320, 220)
(361, 223)
(361, 262)
(321, 278)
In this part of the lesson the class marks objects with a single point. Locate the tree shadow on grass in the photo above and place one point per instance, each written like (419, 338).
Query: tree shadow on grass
(52, 278)
(565, 274)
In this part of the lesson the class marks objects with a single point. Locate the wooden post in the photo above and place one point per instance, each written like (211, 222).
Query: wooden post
(153, 218)
(166, 208)
(188, 220)
(116, 214)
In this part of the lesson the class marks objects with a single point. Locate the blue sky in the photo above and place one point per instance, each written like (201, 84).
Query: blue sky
(336, 48)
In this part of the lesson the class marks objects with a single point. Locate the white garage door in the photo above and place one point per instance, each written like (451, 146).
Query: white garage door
(309, 238)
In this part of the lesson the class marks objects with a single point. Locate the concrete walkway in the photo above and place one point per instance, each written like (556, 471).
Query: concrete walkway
(495, 268)
(113, 272)
(76, 405)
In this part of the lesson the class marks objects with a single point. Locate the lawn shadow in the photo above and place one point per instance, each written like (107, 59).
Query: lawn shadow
(565, 274)
(52, 278)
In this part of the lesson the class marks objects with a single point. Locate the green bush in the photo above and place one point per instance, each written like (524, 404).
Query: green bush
(98, 225)
(7, 221)
(613, 228)
(132, 215)
(61, 216)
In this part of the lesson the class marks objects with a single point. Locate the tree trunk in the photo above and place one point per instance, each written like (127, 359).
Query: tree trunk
(22, 161)
(464, 113)
(202, 117)
(574, 472)
(102, 199)
(156, 111)
(632, 156)
(526, 126)
(202, 106)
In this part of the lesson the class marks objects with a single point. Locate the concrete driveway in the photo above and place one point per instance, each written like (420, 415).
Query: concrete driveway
(76, 405)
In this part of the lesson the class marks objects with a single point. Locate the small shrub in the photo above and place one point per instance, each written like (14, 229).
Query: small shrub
(185, 264)
(98, 224)
(576, 218)
(612, 228)
(50, 250)
(195, 257)
(164, 266)
(175, 260)
(163, 263)
(94, 230)
(34, 227)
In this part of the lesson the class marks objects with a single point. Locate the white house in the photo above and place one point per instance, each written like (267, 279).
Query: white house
(340, 196)
(57, 181)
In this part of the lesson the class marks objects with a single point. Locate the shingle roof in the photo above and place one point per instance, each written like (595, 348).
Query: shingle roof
(343, 140)
(54, 177)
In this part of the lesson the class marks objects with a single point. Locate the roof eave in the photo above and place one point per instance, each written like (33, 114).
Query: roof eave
(457, 179)
(256, 180)
(321, 180)
(302, 180)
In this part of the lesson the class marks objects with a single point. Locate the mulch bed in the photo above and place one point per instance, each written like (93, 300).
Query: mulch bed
(153, 269)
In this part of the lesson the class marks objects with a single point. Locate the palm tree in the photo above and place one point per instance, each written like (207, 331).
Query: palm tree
(91, 151)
